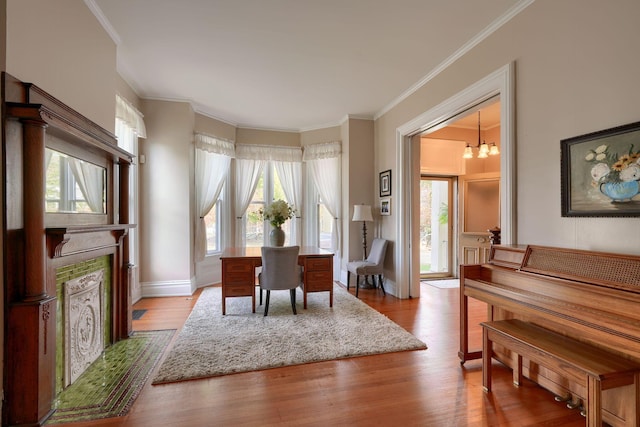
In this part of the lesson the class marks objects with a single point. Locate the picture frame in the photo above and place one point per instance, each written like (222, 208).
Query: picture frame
(600, 173)
(385, 206)
(385, 183)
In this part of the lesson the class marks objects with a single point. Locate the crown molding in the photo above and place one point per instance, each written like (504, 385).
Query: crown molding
(490, 29)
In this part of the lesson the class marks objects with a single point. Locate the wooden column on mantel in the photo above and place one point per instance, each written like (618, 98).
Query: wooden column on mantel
(36, 242)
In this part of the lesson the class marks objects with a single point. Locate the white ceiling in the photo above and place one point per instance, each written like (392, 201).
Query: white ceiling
(292, 64)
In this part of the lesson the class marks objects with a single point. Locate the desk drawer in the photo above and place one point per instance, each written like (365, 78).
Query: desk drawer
(234, 279)
(238, 266)
(319, 281)
(238, 290)
(318, 264)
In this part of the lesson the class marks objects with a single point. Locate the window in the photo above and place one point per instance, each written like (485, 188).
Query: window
(269, 188)
(213, 222)
(325, 224)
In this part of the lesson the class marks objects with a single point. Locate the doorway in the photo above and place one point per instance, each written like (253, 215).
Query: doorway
(500, 82)
(436, 226)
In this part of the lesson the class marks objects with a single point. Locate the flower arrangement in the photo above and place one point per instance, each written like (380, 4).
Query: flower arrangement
(609, 167)
(277, 213)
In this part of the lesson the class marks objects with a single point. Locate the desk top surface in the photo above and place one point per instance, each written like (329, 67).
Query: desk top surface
(254, 252)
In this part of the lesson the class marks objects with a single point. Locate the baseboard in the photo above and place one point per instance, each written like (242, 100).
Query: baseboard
(169, 288)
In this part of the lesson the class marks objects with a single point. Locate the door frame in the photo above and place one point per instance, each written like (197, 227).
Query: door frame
(451, 227)
(501, 82)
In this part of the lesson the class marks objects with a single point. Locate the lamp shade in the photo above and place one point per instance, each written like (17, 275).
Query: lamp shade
(362, 213)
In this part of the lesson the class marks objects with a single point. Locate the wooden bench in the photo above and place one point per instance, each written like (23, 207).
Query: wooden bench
(593, 367)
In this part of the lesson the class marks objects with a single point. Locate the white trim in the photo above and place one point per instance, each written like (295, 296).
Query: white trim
(501, 82)
(490, 29)
(97, 12)
(168, 288)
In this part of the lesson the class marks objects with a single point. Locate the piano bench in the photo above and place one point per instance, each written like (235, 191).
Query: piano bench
(592, 367)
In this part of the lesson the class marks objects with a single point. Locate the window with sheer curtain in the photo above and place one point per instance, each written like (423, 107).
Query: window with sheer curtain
(129, 127)
(323, 166)
(264, 174)
(213, 160)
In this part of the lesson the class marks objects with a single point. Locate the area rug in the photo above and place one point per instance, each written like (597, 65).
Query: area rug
(112, 383)
(211, 344)
(443, 284)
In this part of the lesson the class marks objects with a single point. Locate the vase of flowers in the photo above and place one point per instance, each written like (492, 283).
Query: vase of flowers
(616, 176)
(277, 213)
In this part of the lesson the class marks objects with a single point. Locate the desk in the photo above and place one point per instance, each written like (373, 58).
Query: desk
(239, 277)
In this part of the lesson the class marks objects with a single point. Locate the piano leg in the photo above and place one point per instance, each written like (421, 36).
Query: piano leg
(487, 352)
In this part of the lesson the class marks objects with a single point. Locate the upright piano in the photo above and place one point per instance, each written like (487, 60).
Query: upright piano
(593, 297)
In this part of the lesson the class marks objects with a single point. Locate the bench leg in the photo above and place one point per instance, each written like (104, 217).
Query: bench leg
(487, 352)
(517, 371)
(594, 402)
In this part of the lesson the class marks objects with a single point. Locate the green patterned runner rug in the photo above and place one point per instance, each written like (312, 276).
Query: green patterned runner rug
(111, 384)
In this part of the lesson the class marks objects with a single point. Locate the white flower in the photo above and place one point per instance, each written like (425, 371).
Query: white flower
(601, 156)
(277, 213)
(631, 173)
(601, 149)
(599, 171)
(590, 156)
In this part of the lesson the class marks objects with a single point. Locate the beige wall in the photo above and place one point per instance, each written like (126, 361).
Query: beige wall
(124, 90)
(214, 127)
(358, 183)
(166, 198)
(267, 137)
(319, 136)
(61, 47)
(574, 75)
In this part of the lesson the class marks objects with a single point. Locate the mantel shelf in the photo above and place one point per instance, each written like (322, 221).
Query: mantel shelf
(65, 241)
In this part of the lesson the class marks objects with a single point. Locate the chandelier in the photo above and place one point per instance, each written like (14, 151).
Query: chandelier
(484, 149)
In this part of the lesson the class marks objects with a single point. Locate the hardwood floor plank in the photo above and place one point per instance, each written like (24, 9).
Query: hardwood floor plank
(415, 388)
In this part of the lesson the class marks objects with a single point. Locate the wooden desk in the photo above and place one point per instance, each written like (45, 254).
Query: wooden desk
(238, 272)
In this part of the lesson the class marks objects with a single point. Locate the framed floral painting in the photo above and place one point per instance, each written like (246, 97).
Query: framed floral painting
(600, 173)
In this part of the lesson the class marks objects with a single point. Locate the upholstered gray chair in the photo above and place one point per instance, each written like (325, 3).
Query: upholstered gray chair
(372, 266)
(280, 271)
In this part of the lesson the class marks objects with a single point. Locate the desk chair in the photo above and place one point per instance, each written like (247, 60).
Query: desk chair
(372, 266)
(280, 271)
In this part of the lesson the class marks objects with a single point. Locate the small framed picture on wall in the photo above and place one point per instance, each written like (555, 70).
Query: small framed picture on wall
(385, 206)
(385, 183)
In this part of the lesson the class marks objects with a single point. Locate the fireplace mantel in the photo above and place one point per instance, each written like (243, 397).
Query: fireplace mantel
(39, 242)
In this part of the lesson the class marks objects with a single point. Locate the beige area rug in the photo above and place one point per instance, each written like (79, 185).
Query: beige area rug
(211, 344)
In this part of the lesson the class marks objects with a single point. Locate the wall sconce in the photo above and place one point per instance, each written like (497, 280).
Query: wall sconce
(363, 213)
(484, 149)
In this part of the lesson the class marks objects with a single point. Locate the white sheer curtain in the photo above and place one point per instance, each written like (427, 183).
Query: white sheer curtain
(288, 165)
(213, 158)
(250, 162)
(323, 164)
(90, 179)
(133, 118)
(248, 171)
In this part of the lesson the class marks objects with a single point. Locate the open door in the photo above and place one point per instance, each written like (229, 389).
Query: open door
(436, 226)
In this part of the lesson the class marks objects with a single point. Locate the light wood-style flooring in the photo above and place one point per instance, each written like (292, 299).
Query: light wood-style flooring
(416, 388)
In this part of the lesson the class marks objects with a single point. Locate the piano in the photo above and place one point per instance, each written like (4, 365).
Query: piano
(592, 297)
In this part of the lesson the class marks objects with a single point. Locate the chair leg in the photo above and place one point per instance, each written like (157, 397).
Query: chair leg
(260, 296)
(293, 300)
(381, 284)
(357, 285)
(266, 302)
(348, 277)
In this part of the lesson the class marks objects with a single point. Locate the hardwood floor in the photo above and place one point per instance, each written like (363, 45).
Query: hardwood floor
(416, 388)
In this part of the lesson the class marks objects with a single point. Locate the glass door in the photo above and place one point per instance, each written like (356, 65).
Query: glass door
(436, 226)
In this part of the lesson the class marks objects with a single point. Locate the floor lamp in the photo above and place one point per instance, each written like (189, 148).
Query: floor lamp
(363, 213)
